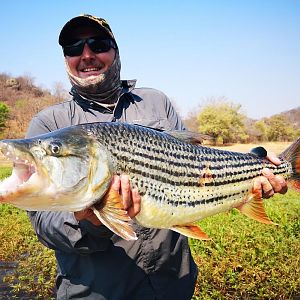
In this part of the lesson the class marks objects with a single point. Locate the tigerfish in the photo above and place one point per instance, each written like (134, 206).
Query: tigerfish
(71, 169)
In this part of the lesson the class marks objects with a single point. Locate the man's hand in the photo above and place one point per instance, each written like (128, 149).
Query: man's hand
(131, 200)
(268, 184)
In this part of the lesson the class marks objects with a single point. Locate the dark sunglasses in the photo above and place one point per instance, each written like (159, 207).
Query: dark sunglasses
(96, 44)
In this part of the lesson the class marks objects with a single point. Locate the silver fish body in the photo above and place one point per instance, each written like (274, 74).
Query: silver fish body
(179, 182)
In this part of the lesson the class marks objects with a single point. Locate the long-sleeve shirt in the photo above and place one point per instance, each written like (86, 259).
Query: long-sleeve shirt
(94, 263)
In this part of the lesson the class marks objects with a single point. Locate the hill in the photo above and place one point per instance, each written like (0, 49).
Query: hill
(24, 99)
(293, 115)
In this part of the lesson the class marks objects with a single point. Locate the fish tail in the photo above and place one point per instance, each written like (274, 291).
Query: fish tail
(292, 155)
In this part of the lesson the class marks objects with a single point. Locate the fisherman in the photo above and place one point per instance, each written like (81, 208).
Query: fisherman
(94, 263)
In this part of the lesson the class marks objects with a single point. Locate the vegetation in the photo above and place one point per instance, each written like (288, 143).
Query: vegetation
(244, 259)
(24, 100)
(4, 112)
(224, 121)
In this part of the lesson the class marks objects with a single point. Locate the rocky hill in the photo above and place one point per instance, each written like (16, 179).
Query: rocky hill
(24, 99)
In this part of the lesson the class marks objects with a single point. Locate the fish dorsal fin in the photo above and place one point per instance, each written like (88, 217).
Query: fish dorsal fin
(111, 213)
(190, 137)
(190, 230)
(253, 208)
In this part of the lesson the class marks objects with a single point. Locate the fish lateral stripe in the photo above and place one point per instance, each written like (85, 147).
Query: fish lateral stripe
(179, 183)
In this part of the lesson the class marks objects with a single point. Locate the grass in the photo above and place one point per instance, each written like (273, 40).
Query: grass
(250, 260)
(244, 259)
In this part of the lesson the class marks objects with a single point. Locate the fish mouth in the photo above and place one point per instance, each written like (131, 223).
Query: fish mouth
(24, 173)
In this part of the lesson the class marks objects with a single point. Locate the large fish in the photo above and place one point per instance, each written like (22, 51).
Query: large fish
(71, 169)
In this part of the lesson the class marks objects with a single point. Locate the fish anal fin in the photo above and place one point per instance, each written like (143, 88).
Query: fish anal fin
(111, 213)
(295, 185)
(253, 208)
(191, 230)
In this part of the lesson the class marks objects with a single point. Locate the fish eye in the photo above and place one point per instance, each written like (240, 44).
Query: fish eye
(55, 147)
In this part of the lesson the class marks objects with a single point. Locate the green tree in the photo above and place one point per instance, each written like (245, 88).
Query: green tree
(279, 129)
(223, 121)
(261, 129)
(4, 113)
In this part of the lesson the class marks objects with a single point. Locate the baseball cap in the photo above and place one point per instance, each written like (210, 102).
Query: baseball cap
(82, 20)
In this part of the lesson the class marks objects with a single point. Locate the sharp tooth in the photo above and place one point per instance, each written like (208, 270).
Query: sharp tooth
(7, 153)
(26, 161)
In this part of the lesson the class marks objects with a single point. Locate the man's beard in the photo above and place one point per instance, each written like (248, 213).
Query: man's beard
(104, 88)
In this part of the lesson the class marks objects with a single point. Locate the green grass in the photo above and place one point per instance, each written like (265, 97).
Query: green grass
(244, 260)
(250, 260)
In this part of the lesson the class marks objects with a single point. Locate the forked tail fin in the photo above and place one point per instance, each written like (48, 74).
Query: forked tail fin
(292, 155)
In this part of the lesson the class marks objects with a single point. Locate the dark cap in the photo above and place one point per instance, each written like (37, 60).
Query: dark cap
(82, 20)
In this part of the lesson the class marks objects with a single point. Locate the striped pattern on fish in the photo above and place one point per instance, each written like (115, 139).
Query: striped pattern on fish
(179, 182)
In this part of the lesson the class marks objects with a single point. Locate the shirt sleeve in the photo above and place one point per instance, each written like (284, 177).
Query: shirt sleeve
(61, 230)
(172, 116)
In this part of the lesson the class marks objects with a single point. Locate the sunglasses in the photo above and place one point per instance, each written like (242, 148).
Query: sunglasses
(96, 44)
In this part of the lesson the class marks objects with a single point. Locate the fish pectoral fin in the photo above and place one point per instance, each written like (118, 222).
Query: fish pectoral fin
(113, 216)
(254, 209)
(191, 230)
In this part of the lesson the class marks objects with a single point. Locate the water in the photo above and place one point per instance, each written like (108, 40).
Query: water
(6, 269)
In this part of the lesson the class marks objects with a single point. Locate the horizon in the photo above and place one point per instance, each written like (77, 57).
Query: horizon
(248, 53)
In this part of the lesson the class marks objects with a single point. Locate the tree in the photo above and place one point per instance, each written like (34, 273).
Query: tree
(261, 130)
(279, 129)
(4, 114)
(223, 121)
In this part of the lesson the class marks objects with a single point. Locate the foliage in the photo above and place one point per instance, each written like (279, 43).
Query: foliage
(262, 129)
(4, 113)
(222, 121)
(279, 129)
(24, 100)
(276, 128)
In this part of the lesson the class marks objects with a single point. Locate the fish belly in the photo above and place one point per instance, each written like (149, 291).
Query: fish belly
(199, 205)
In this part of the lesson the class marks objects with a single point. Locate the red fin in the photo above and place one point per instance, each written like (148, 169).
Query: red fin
(206, 177)
(254, 209)
(112, 215)
(295, 184)
(190, 230)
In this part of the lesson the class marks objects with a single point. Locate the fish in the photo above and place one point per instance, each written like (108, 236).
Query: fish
(180, 183)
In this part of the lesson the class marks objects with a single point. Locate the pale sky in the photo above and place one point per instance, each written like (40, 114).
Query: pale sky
(192, 50)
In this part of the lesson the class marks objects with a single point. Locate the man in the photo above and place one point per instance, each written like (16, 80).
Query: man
(94, 263)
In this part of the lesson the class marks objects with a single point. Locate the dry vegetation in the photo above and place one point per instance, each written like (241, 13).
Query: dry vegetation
(24, 100)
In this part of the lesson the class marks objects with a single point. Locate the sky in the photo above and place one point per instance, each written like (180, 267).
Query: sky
(247, 52)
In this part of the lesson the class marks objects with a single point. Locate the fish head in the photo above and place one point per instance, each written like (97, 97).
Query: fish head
(65, 170)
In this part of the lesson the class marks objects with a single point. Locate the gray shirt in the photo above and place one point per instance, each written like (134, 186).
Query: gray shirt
(93, 263)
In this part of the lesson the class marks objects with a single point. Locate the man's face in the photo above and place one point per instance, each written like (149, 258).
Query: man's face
(89, 63)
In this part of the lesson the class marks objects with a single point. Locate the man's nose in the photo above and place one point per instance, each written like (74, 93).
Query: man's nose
(87, 52)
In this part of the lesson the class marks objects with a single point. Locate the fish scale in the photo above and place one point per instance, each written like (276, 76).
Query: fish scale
(179, 183)
(170, 173)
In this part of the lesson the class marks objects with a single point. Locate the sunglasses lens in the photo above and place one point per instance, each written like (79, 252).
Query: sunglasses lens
(97, 45)
(74, 49)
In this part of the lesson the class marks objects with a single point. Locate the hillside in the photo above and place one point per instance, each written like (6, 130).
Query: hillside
(24, 99)
(293, 116)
